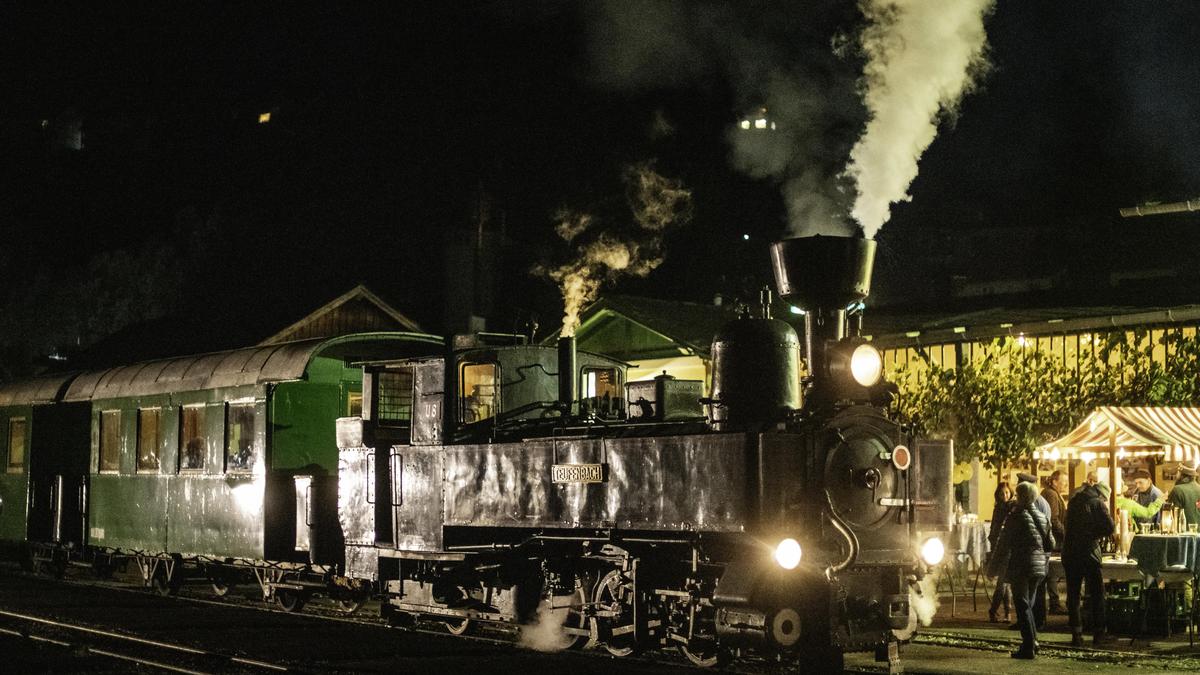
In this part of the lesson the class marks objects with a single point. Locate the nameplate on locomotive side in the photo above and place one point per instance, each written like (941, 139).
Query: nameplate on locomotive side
(578, 473)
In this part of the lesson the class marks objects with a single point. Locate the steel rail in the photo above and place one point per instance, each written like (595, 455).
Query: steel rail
(142, 641)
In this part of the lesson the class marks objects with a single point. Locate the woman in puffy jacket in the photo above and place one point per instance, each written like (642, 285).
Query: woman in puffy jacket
(1026, 540)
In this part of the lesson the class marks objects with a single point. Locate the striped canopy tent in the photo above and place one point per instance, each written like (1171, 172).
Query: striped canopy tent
(1167, 434)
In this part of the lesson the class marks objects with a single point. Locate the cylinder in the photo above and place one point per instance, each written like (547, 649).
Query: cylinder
(566, 373)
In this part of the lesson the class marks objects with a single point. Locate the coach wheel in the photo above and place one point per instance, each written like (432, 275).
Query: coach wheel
(163, 583)
(102, 570)
(52, 568)
(221, 588)
(290, 600)
(614, 594)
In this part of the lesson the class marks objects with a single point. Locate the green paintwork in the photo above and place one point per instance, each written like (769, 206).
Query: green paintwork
(212, 512)
(14, 487)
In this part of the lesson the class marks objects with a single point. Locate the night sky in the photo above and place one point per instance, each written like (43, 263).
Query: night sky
(390, 127)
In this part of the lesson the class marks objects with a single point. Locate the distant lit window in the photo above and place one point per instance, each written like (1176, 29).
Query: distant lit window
(240, 454)
(192, 442)
(147, 440)
(110, 441)
(263, 118)
(354, 404)
(395, 395)
(477, 391)
(16, 444)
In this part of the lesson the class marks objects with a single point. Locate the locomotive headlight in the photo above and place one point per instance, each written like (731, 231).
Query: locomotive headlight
(933, 550)
(787, 554)
(866, 365)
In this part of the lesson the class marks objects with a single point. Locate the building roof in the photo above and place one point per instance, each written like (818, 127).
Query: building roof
(890, 329)
(231, 325)
(631, 327)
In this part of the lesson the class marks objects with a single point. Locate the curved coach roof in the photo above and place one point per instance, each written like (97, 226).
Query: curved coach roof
(253, 365)
(37, 390)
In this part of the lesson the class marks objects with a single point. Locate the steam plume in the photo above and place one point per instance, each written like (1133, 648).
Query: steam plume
(923, 598)
(656, 202)
(545, 634)
(921, 58)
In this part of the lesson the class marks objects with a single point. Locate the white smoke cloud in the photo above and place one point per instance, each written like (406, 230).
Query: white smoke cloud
(923, 598)
(656, 203)
(922, 57)
(545, 634)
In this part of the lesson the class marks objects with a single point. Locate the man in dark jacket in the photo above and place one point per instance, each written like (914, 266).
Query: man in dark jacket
(1025, 540)
(1056, 487)
(1088, 524)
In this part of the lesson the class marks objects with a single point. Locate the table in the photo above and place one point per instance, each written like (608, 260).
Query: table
(1157, 553)
(1110, 568)
(971, 540)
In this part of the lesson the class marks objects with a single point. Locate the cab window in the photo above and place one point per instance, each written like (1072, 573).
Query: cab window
(601, 390)
(477, 392)
(16, 444)
(395, 398)
(239, 437)
(147, 440)
(110, 441)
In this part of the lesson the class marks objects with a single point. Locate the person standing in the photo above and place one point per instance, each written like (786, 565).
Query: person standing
(1056, 487)
(1025, 539)
(1145, 493)
(1003, 594)
(1043, 506)
(1088, 524)
(1186, 494)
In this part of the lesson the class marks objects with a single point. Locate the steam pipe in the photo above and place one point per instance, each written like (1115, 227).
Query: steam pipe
(1156, 209)
(844, 530)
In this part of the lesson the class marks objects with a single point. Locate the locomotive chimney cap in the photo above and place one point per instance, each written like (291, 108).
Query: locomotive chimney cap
(827, 272)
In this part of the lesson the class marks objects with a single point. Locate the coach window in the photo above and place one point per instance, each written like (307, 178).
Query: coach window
(110, 441)
(192, 445)
(477, 391)
(239, 437)
(354, 404)
(147, 440)
(16, 444)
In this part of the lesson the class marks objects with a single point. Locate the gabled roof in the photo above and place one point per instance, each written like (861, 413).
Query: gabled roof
(663, 327)
(359, 293)
(1134, 427)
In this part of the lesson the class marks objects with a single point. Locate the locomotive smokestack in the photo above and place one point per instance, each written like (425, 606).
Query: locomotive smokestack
(566, 373)
(823, 275)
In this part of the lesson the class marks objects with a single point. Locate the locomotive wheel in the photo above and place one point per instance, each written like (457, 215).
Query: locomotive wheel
(706, 656)
(290, 600)
(350, 605)
(614, 593)
(459, 626)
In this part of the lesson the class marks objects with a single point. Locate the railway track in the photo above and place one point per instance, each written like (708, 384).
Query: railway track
(156, 654)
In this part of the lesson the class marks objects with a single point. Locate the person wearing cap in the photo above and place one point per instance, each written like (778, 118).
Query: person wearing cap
(1145, 493)
(1186, 494)
(1088, 524)
(1024, 542)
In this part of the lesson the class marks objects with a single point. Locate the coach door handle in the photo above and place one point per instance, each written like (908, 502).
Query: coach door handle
(370, 478)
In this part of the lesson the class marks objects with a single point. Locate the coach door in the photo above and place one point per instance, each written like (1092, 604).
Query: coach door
(60, 450)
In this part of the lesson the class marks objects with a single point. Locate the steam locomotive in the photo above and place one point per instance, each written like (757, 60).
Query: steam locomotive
(522, 484)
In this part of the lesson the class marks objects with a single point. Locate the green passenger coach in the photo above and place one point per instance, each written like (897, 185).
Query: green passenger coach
(219, 466)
